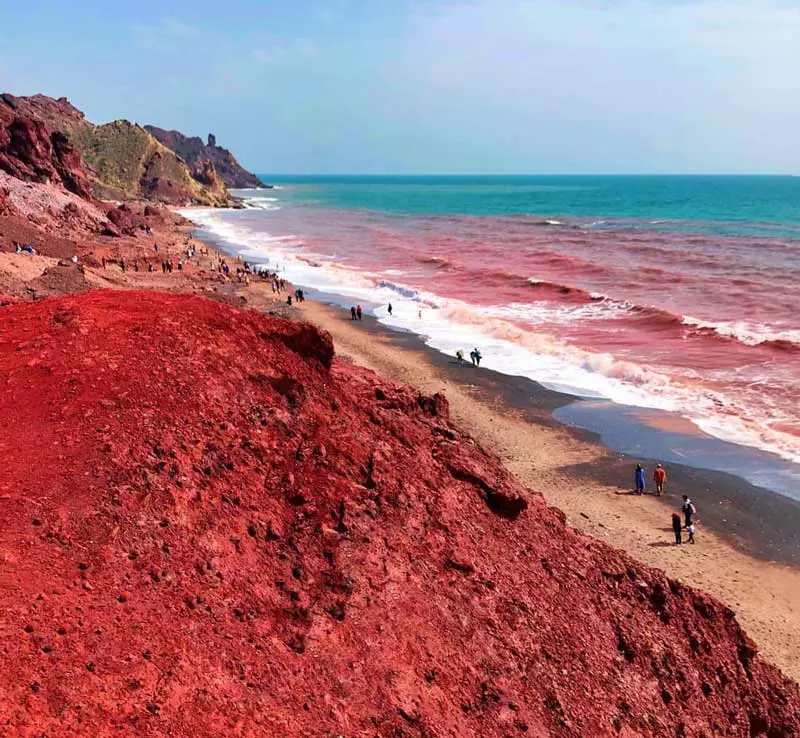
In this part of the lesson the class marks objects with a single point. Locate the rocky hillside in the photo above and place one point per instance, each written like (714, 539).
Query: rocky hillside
(123, 159)
(198, 155)
(209, 526)
(32, 151)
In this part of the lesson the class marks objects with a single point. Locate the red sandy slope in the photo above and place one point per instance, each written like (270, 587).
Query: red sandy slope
(205, 531)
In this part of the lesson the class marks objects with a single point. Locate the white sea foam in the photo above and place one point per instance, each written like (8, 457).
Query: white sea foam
(447, 325)
(744, 331)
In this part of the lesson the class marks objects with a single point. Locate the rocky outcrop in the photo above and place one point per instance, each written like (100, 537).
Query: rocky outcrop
(123, 160)
(210, 526)
(198, 155)
(31, 151)
(209, 177)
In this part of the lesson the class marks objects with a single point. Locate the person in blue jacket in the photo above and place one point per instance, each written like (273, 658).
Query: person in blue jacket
(638, 478)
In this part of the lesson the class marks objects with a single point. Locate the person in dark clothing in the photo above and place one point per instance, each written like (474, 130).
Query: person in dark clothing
(689, 511)
(390, 308)
(676, 527)
(288, 299)
(638, 478)
(359, 312)
(478, 357)
(352, 312)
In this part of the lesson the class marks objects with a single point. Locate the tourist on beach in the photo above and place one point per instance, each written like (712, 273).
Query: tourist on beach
(389, 309)
(288, 299)
(690, 531)
(472, 356)
(359, 312)
(676, 527)
(638, 478)
(460, 356)
(478, 356)
(689, 511)
(659, 477)
(352, 312)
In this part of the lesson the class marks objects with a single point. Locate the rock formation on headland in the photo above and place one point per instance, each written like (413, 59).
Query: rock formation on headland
(197, 155)
(210, 526)
(121, 159)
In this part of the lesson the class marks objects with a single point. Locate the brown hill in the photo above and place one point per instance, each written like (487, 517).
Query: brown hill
(124, 160)
(211, 527)
(197, 155)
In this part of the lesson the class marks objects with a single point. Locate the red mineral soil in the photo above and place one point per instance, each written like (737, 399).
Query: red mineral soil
(209, 526)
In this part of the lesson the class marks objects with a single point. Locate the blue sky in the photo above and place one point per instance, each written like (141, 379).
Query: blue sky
(506, 86)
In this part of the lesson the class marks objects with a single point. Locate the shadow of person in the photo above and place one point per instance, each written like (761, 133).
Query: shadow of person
(661, 544)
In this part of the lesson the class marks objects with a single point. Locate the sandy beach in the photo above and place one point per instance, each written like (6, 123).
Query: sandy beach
(746, 553)
(577, 475)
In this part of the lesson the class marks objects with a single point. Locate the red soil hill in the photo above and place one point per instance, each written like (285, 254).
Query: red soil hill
(208, 528)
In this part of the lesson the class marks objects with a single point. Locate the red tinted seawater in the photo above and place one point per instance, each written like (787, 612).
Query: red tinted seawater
(707, 324)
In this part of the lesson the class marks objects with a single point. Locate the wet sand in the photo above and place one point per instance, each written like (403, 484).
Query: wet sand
(747, 552)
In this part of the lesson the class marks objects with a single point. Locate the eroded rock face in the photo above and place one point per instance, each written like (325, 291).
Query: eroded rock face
(211, 526)
(197, 155)
(118, 160)
(29, 150)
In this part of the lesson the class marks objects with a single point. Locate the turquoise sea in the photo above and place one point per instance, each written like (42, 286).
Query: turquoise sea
(728, 205)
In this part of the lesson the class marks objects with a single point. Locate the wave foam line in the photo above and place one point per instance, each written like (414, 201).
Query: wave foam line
(448, 325)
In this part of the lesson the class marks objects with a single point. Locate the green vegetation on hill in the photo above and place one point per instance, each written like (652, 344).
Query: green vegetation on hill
(130, 163)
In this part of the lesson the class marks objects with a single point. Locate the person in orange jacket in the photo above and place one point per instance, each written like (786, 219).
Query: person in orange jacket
(660, 478)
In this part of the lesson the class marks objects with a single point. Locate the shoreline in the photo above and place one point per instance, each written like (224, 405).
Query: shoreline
(513, 418)
(759, 521)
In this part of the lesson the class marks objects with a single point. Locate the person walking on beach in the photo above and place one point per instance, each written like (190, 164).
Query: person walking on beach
(359, 312)
(352, 312)
(472, 357)
(460, 356)
(389, 309)
(690, 531)
(478, 357)
(689, 511)
(638, 478)
(676, 527)
(659, 477)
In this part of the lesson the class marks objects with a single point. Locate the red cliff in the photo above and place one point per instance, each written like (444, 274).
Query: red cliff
(209, 526)
(32, 151)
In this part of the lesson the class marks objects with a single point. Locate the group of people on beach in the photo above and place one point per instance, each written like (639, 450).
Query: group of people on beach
(689, 512)
(659, 479)
(687, 506)
(475, 356)
(356, 312)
